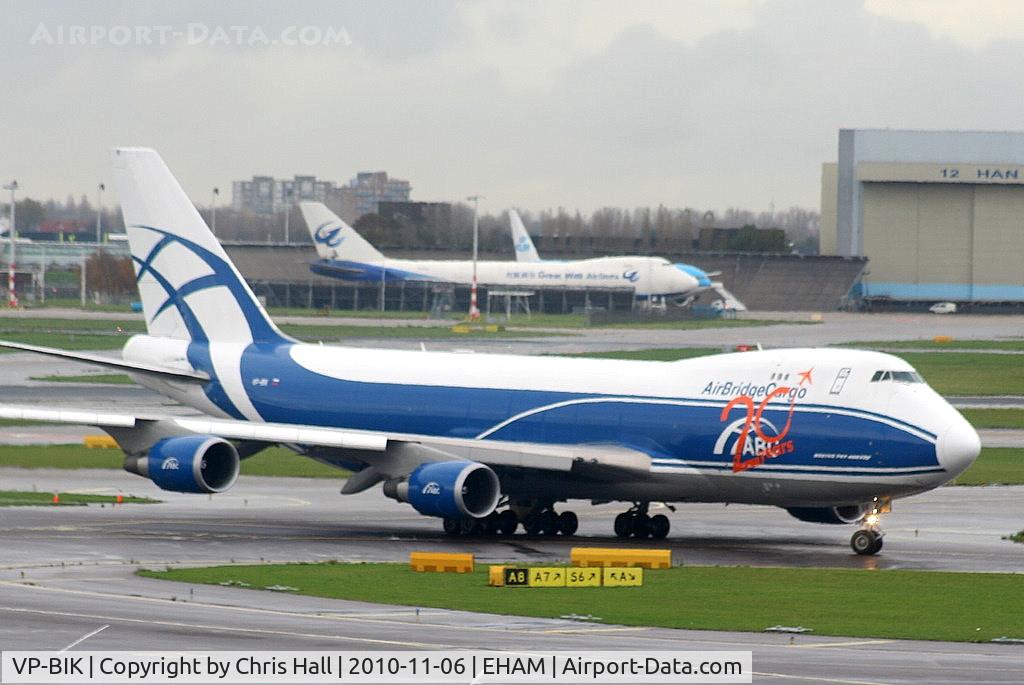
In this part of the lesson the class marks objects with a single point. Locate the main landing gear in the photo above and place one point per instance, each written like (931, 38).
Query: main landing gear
(638, 524)
(536, 519)
(868, 540)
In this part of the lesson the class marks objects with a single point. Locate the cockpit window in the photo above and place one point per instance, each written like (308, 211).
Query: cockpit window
(897, 376)
(907, 377)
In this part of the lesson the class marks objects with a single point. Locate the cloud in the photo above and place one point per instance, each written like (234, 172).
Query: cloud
(530, 104)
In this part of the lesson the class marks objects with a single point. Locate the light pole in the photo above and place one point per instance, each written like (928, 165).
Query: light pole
(99, 212)
(474, 310)
(12, 296)
(213, 210)
(287, 212)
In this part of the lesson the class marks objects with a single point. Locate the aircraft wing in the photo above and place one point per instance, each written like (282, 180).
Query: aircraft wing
(391, 454)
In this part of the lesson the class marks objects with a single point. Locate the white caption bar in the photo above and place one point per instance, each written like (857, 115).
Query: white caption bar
(376, 667)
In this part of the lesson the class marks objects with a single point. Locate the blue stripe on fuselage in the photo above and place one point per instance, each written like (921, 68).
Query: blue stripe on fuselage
(363, 272)
(656, 426)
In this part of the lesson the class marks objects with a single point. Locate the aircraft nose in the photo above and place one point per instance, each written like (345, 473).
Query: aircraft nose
(958, 447)
(694, 275)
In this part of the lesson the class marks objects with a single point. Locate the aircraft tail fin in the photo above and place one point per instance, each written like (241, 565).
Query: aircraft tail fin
(334, 239)
(190, 290)
(525, 251)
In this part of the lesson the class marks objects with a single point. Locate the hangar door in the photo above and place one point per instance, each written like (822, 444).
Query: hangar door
(944, 241)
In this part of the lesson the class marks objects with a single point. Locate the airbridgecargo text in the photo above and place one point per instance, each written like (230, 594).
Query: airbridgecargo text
(733, 389)
(376, 667)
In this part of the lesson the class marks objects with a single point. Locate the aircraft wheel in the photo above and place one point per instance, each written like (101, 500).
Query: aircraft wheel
(878, 545)
(568, 523)
(453, 527)
(548, 522)
(471, 526)
(866, 542)
(641, 526)
(532, 525)
(659, 526)
(490, 524)
(624, 525)
(507, 522)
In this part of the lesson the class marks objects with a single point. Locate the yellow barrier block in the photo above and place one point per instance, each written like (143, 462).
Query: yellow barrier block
(496, 576)
(943, 339)
(583, 577)
(607, 556)
(552, 576)
(441, 562)
(100, 441)
(460, 329)
(617, 576)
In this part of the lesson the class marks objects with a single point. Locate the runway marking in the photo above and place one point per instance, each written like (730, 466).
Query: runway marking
(582, 630)
(819, 679)
(227, 629)
(856, 643)
(292, 614)
(85, 637)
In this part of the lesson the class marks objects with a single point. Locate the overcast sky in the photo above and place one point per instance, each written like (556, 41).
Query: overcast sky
(532, 104)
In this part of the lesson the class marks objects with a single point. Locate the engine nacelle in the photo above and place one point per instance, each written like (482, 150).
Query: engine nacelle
(837, 515)
(191, 463)
(449, 489)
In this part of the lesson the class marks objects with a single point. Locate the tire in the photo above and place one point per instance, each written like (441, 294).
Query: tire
(508, 522)
(865, 542)
(660, 526)
(452, 527)
(568, 523)
(878, 545)
(490, 524)
(470, 526)
(641, 526)
(624, 525)
(548, 522)
(532, 525)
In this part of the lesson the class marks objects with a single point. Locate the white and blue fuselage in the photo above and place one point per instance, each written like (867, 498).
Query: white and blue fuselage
(346, 255)
(848, 438)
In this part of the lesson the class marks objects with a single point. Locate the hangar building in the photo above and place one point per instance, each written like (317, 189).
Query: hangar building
(939, 214)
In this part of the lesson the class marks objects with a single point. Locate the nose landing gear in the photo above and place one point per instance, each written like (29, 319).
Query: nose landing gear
(868, 540)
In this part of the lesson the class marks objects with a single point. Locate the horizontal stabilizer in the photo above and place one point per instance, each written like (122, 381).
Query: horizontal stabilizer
(111, 363)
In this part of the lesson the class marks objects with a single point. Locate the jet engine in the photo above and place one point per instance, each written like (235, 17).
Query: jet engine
(449, 489)
(193, 463)
(845, 514)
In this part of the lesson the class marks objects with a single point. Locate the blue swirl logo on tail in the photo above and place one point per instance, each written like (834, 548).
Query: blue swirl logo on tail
(331, 237)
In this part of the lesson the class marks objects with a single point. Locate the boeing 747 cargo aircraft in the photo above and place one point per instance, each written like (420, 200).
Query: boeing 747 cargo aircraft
(489, 443)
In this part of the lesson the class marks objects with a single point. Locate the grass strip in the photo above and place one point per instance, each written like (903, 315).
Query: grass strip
(65, 341)
(329, 333)
(274, 461)
(104, 378)
(11, 498)
(656, 355)
(995, 466)
(994, 418)
(919, 605)
(1010, 345)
